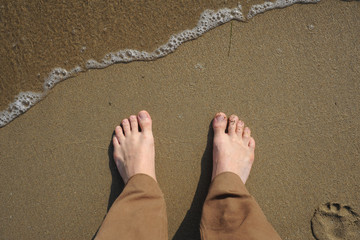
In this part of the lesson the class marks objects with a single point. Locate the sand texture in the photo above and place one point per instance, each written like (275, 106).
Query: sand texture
(293, 76)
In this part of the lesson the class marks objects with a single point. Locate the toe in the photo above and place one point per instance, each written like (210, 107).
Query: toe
(126, 126)
(145, 121)
(115, 142)
(134, 124)
(252, 143)
(240, 128)
(246, 136)
(247, 133)
(219, 123)
(233, 120)
(119, 134)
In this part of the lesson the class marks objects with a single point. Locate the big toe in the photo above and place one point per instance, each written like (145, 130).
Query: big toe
(219, 123)
(144, 121)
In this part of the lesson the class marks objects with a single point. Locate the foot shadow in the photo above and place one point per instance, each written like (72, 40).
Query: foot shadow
(190, 226)
(117, 183)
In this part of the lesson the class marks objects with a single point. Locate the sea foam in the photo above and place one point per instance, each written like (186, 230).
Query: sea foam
(208, 20)
(260, 8)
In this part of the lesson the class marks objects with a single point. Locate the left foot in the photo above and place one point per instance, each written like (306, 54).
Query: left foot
(134, 150)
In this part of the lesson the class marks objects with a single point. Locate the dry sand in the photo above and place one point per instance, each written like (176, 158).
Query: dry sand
(292, 75)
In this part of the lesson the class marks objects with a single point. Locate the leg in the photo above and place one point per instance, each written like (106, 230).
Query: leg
(229, 211)
(139, 212)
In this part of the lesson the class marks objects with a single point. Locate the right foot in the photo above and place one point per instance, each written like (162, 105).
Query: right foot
(134, 150)
(232, 151)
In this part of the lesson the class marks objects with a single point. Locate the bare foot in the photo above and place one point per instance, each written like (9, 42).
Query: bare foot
(232, 151)
(134, 150)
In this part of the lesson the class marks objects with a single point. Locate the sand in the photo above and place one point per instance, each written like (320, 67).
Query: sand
(292, 75)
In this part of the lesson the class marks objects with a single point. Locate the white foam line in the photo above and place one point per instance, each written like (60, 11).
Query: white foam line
(260, 8)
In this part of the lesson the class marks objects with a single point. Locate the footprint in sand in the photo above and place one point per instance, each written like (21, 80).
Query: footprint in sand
(334, 221)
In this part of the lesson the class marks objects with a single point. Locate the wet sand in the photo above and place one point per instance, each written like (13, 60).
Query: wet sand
(37, 36)
(292, 75)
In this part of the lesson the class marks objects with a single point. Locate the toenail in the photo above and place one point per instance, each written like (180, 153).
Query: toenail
(241, 123)
(143, 115)
(220, 117)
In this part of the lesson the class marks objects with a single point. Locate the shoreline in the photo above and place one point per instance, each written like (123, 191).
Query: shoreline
(209, 19)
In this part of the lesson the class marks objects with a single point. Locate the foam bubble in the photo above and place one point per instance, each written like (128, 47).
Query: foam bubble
(21, 104)
(57, 75)
(260, 8)
(25, 100)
